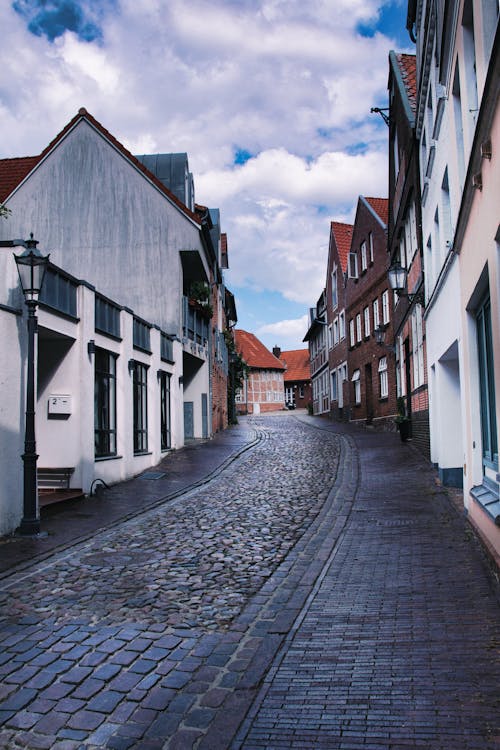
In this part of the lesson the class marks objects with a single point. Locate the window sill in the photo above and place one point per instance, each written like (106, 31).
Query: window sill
(98, 459)
(143, 453)
(488, 500)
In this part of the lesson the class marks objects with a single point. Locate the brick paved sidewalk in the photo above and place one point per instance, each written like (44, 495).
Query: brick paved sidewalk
(397, 647)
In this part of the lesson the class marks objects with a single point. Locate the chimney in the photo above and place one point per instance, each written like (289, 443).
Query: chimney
(276, 351)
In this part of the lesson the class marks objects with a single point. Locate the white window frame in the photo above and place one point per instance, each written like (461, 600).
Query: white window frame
(418, 347)
(335, 297)
(385, 307)
(370, 244)
(359, 334)
(336, 338)
(356, 379)
(353, 266)
(342, 326)
(366, 316)
(376, 314)
(351, 332)
(334, 385)
(364, 261)
(383, 375)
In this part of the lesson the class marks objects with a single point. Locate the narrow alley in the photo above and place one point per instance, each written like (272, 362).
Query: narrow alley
(315, 589)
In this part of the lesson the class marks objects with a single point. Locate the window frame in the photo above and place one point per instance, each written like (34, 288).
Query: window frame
(105, 432)
(140, 407)
(383, 377)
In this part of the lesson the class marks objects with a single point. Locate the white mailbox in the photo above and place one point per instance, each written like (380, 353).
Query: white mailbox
(59, 405)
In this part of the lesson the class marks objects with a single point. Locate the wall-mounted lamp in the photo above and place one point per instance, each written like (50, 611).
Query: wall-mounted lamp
(131, 365)
(398, 279)
(477, 181)
(91, 347)
(379, 336)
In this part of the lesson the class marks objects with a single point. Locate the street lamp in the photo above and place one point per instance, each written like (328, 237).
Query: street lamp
(31, 266)
(398, 279)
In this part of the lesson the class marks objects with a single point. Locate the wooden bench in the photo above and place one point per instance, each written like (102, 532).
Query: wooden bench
(53, 485)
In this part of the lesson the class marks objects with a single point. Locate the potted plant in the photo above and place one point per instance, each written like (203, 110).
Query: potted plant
(199, 298)
(402, 420)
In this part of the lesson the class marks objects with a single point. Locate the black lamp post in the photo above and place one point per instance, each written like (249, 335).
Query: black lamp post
(31, 266)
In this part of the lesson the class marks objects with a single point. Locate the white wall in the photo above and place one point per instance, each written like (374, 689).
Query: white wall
(103, 222)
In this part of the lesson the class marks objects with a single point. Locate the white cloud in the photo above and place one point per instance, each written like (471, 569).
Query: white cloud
(289, 333)
(290, 82)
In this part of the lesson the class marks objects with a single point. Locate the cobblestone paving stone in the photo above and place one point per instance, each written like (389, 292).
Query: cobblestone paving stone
(140, 637)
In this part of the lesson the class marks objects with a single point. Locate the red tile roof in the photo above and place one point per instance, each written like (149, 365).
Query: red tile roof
(297, 364)
(342, 234)
(255, 353)
(408, 67)
(13, 171)
(381, 207)
(11, 174)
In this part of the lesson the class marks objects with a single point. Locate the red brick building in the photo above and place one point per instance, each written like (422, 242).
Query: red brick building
(297, 376)
(406, 247)
(372, 371)
(336, 276)
(264, 388)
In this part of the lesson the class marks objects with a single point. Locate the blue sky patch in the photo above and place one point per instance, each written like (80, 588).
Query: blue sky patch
(241, 156)
(391, 22)
(51, 18)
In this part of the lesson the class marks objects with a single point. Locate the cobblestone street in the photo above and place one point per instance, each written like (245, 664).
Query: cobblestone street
(311, 594)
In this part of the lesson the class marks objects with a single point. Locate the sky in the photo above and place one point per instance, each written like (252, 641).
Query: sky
(270, 99)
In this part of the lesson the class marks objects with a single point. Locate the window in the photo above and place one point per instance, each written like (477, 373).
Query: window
(140, 395)
(335, 300)
(366, 315)
(384, 383)
(364, 261)
(59, 291)
(141, 335)
(418, 347)
(356, 379)
(351, 332)
(107, 317)
(165, 410)
(333, 377)
(358, 327)
(370, 244)
(330, 337)
(104, 403)
(342, 326)
(301, 391)
(487, 384)
(376, 317)
(353, 265)
(385, 307)
(166, 348)
(335, 331)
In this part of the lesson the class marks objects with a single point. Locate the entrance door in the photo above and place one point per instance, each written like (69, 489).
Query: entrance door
(188, 420)
(369, 394)
(204, 415)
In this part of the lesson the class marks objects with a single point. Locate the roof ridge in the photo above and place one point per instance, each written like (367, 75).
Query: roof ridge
(84, 114)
